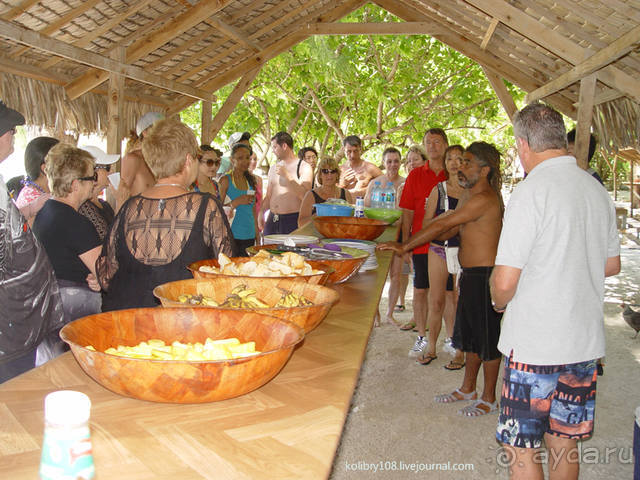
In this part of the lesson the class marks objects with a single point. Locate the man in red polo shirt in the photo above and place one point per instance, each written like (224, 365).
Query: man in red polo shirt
(416, 190)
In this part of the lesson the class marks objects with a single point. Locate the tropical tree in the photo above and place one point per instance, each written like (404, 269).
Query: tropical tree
(386, 89)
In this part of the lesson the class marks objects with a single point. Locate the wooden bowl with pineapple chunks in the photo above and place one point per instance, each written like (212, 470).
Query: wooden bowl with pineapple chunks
(262, 265)
(302, 303)
(181, 381)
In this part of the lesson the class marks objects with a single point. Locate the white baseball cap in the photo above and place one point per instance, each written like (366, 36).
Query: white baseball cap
(101, 157)
(237, 137)
(147, 120)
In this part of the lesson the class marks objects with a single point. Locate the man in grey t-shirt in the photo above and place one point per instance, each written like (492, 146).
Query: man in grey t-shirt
(558, 243)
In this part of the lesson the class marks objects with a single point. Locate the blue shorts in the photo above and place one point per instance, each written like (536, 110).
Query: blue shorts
(536, 399)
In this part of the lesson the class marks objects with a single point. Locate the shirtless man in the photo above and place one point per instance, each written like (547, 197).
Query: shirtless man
(356, 173)
(478, 220)
(286, 187)
(135, 176)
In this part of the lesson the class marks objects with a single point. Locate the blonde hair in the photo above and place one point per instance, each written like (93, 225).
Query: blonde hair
(65, 163)
(419, 149)
(166, 145)
(328, 163)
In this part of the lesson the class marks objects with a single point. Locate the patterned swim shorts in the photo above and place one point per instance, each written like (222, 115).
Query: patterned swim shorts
(536, 399)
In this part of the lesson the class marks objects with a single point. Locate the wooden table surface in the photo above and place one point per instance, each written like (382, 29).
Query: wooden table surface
(289, 428)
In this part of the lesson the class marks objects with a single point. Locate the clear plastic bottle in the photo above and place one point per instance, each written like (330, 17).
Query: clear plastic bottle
(376, 195)
(359, 210)
(66, 447)
(390, 196)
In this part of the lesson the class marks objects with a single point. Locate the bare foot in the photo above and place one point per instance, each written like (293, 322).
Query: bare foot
(389, 319)
(376, 319)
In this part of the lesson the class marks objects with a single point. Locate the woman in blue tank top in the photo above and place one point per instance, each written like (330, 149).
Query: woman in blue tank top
(240, 186)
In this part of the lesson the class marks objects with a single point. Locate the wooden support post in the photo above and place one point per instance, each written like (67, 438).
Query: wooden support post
(115, 105)
(615, 178)
(632, 192)
(115, 102)
(232, 101)
(585, 112)
(205, 129)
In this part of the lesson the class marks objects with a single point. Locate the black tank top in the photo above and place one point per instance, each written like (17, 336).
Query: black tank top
(133, 283)
(453, 203)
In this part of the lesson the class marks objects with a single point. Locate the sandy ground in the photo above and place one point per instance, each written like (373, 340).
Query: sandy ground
(394, 425)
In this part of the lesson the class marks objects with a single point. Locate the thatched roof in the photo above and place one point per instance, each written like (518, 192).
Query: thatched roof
(56, 54)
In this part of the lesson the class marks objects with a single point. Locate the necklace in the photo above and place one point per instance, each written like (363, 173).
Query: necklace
(171, 185)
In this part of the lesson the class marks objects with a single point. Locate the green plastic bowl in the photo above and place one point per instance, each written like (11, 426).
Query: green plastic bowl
(385, 214)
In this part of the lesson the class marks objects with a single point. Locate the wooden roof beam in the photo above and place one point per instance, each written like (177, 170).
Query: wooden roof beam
(616, 49)
(378, 28)
(555, 43)
(233, 33)
(203, 10)
(62, 49)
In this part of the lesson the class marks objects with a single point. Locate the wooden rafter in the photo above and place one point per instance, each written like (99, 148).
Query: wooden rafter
(185, 21)
(233, 33)
(554, 42)
(585, 113)
(379, 28)
(62, 49)
(19, 9)
(595, 62)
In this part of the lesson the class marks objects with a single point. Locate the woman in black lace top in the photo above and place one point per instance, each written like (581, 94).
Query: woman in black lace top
(158, 233)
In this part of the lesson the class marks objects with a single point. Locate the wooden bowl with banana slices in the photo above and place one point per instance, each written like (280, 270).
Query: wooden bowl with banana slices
(302, 303)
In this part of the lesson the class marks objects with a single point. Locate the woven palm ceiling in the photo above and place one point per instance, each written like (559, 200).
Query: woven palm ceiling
(56, 55)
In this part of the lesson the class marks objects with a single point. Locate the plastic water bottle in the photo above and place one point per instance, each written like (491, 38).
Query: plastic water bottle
(376, 195)
(66, 447)
(390, 197)
(359, 211)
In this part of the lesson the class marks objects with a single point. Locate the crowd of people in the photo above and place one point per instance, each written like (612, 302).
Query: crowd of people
(179, 202)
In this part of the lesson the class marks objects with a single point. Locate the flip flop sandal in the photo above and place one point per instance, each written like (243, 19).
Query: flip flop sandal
(451, 397)
(400, 308)
(474, 410)
(408, 326)
(426, 359)
(453, 365)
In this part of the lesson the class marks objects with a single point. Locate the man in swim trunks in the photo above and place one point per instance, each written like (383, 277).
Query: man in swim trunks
(558, 244)
(478, 219)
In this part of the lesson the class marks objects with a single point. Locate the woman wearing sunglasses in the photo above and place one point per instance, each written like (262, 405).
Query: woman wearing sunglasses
(326, 188)
(70, 240)
(208, 165)
(98, 211)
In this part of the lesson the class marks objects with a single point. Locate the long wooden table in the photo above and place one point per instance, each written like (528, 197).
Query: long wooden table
(289, 428)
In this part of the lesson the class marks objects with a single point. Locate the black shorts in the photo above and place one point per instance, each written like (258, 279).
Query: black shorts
(281, 223)
(421, 272)
(477, 326)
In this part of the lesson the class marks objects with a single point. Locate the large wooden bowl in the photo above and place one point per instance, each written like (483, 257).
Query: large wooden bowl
(359, 228)
(176, 381)
(344, 268)
(308, 316)
(314, 278)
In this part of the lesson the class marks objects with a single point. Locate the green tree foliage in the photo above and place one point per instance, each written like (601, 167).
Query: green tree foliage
(386, 89)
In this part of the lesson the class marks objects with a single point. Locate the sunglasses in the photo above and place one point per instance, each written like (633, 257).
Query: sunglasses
(209, 162)
(92, 178)
(104, 167)
(327, 171)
